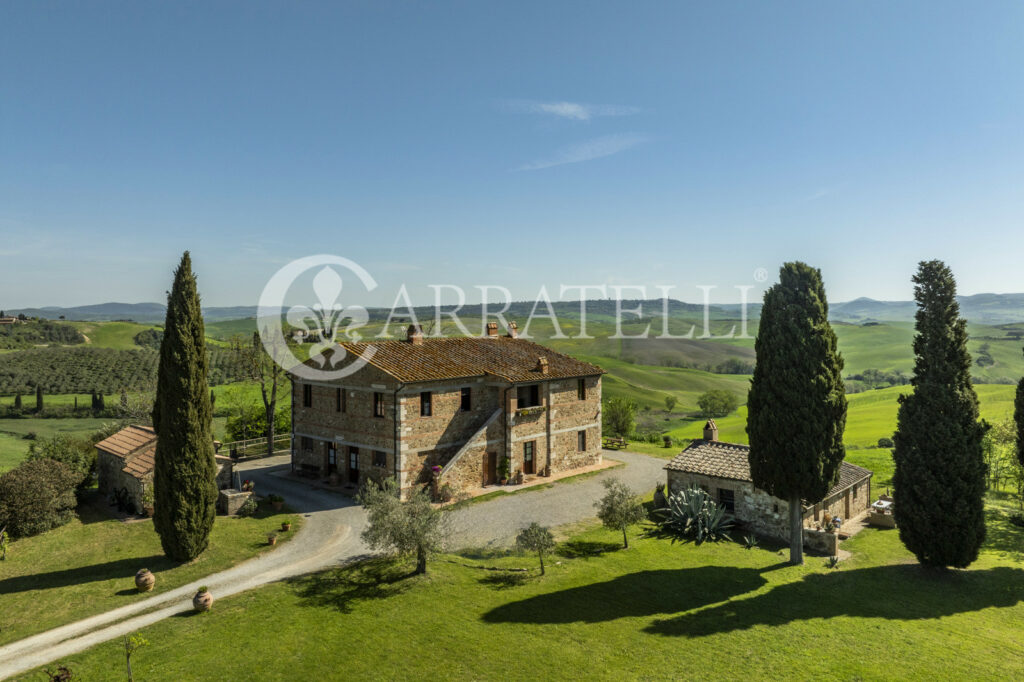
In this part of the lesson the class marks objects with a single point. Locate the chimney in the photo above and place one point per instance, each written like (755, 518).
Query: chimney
(711, 430)
(542, 365)
(414, 335)
(513, 330)
(492, 329)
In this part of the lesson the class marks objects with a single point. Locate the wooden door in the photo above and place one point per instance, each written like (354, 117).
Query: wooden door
(353, 465)
(528, 456)
(490, 468)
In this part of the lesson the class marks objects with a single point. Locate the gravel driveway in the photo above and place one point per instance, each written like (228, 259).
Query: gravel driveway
(496, 523)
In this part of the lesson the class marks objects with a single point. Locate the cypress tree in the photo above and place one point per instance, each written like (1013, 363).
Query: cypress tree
(184, 479)
(39, 397)
(940, 467)
(796, 408)
(17, 401)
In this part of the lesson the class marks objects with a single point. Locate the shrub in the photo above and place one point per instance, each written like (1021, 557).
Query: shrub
(717, 403)
(885, 442)
(248, 508)
(36, 496)
(77, 453)
(692, 513)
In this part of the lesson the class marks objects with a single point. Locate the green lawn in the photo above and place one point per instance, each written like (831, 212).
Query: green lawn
(117, 335)
(13, 446)
(871, 415)
(88, 566)
(655, 611)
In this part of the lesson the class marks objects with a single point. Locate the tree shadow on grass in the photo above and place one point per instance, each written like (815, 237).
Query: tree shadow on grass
(504, 580)
(581, 549)
(125, 568)
(896, 592)
(342, 588)
(645, 593)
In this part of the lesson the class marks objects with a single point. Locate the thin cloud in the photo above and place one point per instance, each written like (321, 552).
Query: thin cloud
(574, 111)
(596, 148)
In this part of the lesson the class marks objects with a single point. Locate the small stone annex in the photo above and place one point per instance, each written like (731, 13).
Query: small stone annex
(125, 461)
(461, 412)
(723, 470)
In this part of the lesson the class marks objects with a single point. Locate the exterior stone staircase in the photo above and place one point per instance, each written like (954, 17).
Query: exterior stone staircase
(469, 443)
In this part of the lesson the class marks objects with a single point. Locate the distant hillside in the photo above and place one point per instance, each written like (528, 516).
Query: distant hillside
(136, 312)
(989, 309)
(979, 309)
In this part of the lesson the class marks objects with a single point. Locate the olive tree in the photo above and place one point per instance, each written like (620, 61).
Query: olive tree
(536, 538)
(619, 508)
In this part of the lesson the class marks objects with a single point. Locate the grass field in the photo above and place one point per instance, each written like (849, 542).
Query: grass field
(659, 610)
(13, 445)
(88, 566)
(117, 335)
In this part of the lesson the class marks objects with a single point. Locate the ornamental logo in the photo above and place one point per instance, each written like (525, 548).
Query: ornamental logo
(324, 324)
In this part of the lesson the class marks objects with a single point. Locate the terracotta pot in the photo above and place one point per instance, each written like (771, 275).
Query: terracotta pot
(278, 506)
(285, 527)
(271, 540)
(203, 601)
(144, 580)
(148, 511)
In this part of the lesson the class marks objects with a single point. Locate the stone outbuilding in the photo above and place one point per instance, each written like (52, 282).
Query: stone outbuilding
(461, 412)
(723, 470)
(125, 461)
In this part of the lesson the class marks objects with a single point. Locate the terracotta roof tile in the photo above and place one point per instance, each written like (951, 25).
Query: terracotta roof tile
(515, 360)
(128, 440)
(729, 460)
(141, 463)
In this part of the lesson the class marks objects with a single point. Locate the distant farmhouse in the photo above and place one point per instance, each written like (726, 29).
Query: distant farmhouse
(478, 408)
(8, 320)
(125, 461)
(723, 470)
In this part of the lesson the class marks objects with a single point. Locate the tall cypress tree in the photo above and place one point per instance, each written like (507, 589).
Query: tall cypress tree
(940, 467)
(39, 397)
(184, 484)
(796, 408)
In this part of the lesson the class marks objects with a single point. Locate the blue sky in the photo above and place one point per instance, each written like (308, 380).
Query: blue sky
(516, 144)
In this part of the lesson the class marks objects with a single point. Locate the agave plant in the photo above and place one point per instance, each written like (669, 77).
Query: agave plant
(692, 513)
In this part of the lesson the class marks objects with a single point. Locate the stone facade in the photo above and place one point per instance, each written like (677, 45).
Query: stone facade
(769, 516)
(125, 461)
(723, 470)
(373, 423)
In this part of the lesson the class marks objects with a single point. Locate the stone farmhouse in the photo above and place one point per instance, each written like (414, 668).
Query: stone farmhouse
(125, 461)
(723, 470)
(449, 411)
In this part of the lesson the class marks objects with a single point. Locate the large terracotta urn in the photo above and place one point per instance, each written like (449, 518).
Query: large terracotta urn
(203, 601)
(144, 580)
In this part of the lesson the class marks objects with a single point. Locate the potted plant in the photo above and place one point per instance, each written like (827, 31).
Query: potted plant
(286, 525)
(148, 499)
(276, 501)
(248, 486)
(271, 539)
(503, 470)
(203, 601)
(144, 580)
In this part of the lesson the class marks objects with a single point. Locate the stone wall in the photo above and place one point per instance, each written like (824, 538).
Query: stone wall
(425, 441)
(315, 428)
(769, 516)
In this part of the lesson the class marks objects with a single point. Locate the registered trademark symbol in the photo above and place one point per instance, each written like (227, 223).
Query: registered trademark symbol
(761, 275)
